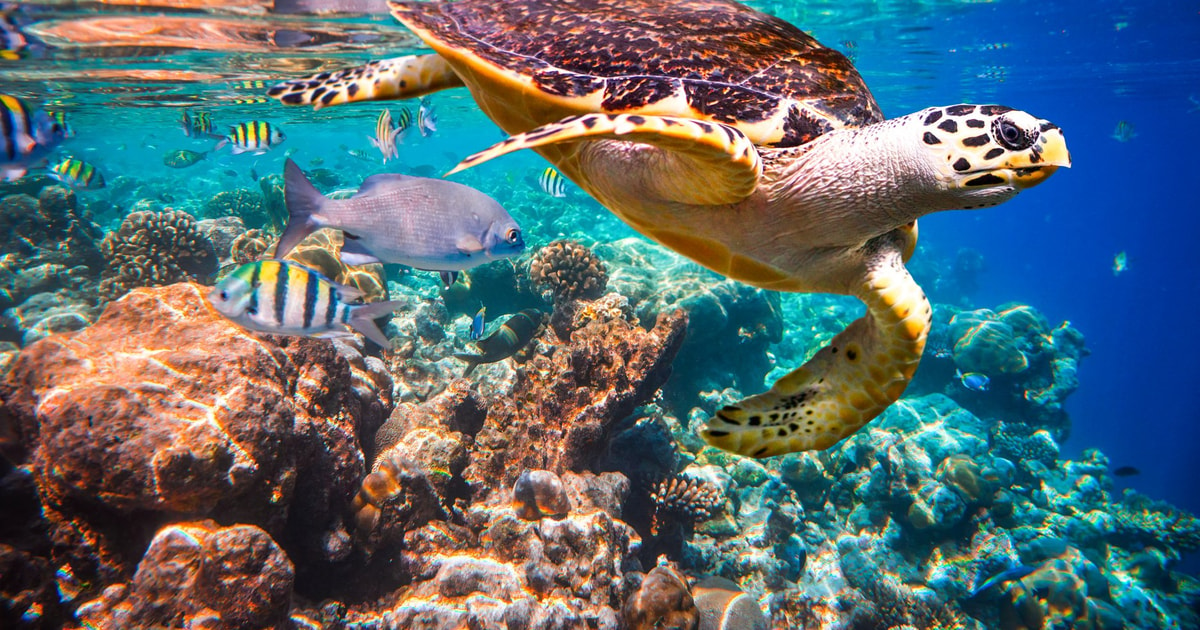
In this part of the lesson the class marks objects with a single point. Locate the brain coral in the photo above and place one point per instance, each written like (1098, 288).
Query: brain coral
(154, 249)
(983, 342)
(570, 270)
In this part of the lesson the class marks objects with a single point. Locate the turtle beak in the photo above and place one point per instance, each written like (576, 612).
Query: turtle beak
(1032, 167)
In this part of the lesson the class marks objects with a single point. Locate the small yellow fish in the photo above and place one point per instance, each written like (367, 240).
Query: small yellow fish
(1120, 263)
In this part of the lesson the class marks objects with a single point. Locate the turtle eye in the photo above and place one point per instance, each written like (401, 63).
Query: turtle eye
(1011, 136)
(513, 236)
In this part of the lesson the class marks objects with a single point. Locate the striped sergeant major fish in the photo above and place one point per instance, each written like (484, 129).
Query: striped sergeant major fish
(28, 136)
(386, 136)
(285, 298)
(77, 174)
(255, 136)
(60, 119)
(552, 183)
(426, 118)
(197, 125)
(513, 335)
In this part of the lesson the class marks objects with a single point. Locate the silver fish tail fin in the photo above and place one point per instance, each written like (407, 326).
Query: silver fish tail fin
(362, 318)
(223, 141)
(473, 361)
(303, 201)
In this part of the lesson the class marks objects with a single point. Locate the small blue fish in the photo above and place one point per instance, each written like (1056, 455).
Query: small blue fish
(1120, 263)
(1124, 131)
(1008, 575)
(974, 381)
(27, 136)
(285, 298)
(426, 118)
(477, 325)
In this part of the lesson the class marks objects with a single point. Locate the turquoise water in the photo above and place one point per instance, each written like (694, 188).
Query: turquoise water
(124, 75)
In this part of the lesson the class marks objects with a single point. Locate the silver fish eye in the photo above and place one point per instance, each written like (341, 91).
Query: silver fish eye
(512, 235)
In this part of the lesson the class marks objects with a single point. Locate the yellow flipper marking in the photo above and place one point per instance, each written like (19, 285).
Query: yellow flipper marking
(410, 76)
(862, 371)
(727, 161)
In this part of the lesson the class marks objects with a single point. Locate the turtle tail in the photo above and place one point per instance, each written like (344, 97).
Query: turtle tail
(862, 371)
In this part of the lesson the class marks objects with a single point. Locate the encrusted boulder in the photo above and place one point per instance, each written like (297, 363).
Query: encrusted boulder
(201, 575)
(165, 408)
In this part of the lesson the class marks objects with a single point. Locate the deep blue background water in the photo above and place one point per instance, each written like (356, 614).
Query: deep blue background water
(1086, 66)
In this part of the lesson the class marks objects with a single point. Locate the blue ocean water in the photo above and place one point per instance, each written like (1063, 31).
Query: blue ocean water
(1121, 79)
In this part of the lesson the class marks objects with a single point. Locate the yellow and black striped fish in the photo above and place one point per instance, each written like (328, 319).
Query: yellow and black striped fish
(60, 118)
(249, 100)
(27, 136)
(284, 298)
(255, 136)
(251, 84)
(196, 125)
(77, 174)
(552, 183)
(404, 120)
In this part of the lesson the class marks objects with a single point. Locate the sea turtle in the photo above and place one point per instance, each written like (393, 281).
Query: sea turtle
(737, 140)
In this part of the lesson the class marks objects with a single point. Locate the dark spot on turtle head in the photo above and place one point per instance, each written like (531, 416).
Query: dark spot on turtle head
(328, 98)
(761, 452)
(993, 154)
(637, 120)
(931, 139)
(976, 141)
(782, 432)
(949, 126)
(318, 92)
(987, 179)
(754, 421)
(322, 76)
(994, 110)
(706, 127)
(933, 117)
(975, 123)
(352, 89)
(589, 122)
(295, 98)
(961, 164)
(960, 110)
(1047, 126)
(718, 434)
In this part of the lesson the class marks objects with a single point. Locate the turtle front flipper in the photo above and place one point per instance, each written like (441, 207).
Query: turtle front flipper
(694, 150)
(410, 76)
(862, 371)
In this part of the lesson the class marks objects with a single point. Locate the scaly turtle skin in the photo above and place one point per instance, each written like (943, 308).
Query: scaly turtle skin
(740, 142)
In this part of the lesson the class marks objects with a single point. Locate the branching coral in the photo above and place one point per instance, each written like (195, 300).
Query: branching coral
(690, 499)
(239, 202)
(155, 249)
(569, 270)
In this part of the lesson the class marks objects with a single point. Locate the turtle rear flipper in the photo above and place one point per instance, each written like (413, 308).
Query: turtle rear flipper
(862, 371)
(721, 157)
(409, 76)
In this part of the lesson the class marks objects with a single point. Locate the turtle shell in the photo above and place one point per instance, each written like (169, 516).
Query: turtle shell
(713, 60)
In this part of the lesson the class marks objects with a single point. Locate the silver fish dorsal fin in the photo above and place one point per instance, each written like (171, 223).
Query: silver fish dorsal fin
(374, 183)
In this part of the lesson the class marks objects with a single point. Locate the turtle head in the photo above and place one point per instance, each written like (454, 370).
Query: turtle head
(986, 154)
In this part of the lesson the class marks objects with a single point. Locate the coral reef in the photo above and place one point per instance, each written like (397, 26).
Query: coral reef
(249, 246)
(153, 249)
(222, 233)
(685, 500)
(569, 271)
(539, 494)
(200, 575)
(662, 601)
(244, 203)
(321, 251)
(211, 421)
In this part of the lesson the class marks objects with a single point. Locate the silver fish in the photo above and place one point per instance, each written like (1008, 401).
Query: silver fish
(426, 118)
(424, 223)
